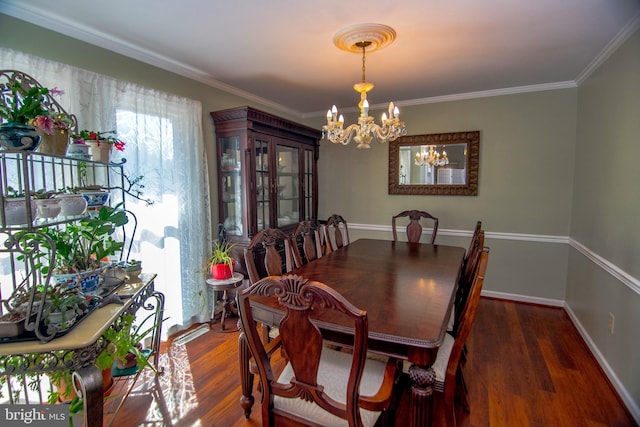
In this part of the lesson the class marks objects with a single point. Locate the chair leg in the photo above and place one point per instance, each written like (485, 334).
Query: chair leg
(449, 405)
(462, 391)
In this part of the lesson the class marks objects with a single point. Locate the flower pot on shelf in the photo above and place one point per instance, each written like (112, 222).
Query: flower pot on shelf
(18, 137)
(95, 198)
(87, 281)
(48, 208)
(56, 143)
(78, 151)
(133, 269)
(12, 325)
(100, 150)
(15, 210)
(62, 320)
(72, 204)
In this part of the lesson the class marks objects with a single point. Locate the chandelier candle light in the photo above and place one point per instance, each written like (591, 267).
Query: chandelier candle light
(364, 37)
(432, 158)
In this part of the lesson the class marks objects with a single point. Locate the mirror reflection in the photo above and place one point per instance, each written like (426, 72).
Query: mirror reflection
(444, 164)
(433, 164)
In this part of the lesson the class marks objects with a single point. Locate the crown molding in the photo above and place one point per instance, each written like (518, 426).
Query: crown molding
(90, 35)
(622, 36)
(458, 97)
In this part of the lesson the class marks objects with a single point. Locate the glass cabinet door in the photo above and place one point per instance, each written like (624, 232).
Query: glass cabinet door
(288, 175)
(263, 196)
(231, 177)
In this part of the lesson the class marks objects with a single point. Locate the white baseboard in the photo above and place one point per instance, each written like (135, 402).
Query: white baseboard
(602, 361)
(524, 298)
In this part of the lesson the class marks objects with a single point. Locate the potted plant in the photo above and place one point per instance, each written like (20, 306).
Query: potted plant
(23, 302)
(125, 348)
(221, 262)
(100, 143)
(83, 245)
(133, 268)
(53, 129)
(47, 205)
(15, 207)
(72, 203)
(22, 99)
(63, 306)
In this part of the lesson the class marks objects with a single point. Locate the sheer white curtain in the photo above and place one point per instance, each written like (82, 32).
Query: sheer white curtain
(163, 133)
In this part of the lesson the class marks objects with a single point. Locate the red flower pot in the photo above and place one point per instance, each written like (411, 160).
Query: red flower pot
(222, 271)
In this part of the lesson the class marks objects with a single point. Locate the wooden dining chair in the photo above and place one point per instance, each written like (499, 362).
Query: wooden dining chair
(265, 254)
(414, 227)
(469, 266)
(318, 386)
(447, 368)
(306, 243)
(264, 257)
(336, 233)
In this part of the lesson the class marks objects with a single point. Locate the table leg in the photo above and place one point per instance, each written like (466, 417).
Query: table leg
(246, 377)
(225, 305)
(214, 304)
(422, 379)
(89, 379)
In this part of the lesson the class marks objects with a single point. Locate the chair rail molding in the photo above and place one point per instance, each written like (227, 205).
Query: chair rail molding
(632, 282)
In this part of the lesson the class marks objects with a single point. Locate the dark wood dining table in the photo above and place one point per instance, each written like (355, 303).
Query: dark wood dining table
(408, 291)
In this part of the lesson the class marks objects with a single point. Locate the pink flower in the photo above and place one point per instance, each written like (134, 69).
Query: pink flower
(44, 123)
(56, 92)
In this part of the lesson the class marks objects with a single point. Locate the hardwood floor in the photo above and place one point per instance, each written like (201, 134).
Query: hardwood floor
(527, 366)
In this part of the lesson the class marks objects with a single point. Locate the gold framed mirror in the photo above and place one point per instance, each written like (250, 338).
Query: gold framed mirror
(435, 164)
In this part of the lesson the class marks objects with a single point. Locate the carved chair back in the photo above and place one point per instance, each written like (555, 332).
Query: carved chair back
(414, 227)
(336, 233)
(306, 243)
(303, 302)
(265, 253)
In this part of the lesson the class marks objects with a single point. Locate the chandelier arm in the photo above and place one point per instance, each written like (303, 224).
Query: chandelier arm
(342, 136)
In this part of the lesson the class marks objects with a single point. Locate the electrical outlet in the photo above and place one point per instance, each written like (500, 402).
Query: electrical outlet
(612, 320)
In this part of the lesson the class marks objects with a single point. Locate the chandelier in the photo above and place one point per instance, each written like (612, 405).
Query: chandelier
(432, 158)
(364, 37)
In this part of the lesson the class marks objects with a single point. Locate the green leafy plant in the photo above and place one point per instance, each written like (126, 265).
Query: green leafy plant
(81, 246)
(42, 194)
(61, 299)
(221, 253)
(21, 104)
(125, 338)
(12, 193)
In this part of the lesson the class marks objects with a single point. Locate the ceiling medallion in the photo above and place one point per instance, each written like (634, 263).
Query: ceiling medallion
(364, 38)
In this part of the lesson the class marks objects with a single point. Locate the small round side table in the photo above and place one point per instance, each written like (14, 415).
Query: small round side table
(226, 306)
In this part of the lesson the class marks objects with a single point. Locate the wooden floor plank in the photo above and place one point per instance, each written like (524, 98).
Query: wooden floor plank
(527, 366)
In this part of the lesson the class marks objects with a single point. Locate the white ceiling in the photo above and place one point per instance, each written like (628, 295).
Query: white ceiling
(281, 52)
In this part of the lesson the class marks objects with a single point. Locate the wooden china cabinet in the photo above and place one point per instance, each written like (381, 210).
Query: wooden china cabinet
(267, 172)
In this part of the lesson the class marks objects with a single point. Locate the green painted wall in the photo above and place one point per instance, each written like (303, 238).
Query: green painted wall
(606, 210)
(527, 144)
